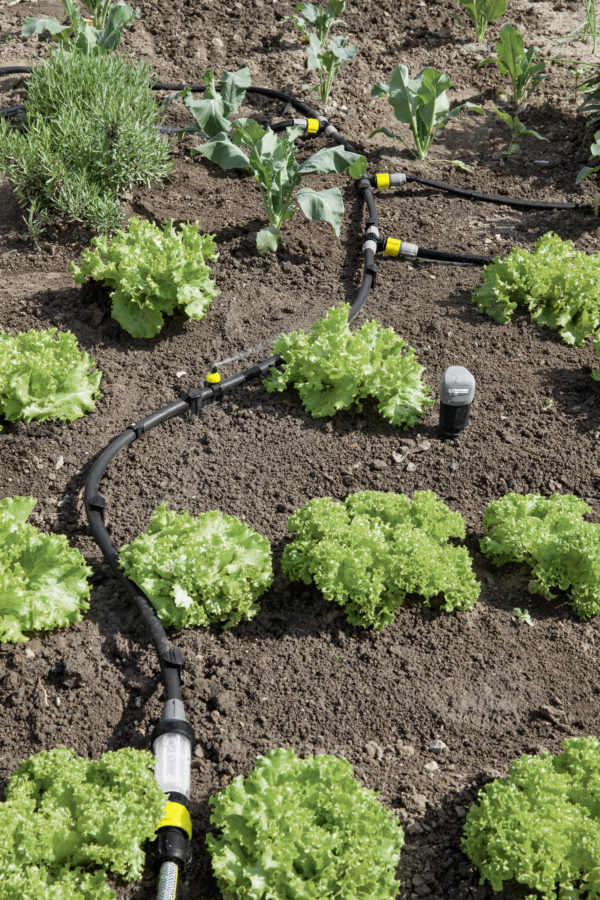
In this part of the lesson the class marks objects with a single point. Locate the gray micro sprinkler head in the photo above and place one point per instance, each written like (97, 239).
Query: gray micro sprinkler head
(457, 389)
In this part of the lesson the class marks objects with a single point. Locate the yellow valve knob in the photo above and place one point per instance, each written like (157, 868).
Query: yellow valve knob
(176, 815)
(382, 181)
(392, 247)
(213, 377)
(312, 126)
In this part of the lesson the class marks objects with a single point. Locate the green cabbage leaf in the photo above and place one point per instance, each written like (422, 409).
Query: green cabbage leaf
(367, 553)
(303, 828)
(152, 272)
(43, 581)
(334, 368)
(197, 570)
(67, 820)
(44, 375)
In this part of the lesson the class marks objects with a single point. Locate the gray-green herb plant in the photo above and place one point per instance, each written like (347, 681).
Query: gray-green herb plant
(481, 13)
(517, 130)
(421, 103)
(271, 160)
(324, 57)
(88, 133)
(99, 33)
(521, 66)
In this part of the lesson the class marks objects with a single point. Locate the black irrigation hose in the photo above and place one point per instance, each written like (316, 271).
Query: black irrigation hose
(496, 198)
(443, 256)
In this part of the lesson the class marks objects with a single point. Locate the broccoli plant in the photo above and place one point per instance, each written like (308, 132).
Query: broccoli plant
(334, 368)
(271, 159)
(100, 33)
(218, 102)
(324, 56)
(303, 828)
(421, 103)
(517, 130)
(521, 66)
(367, 553)
(551, 537)
(540, 825)
(481, 13)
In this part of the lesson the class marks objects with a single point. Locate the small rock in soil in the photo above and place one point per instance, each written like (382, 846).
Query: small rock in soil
(398, 457)
(431, 766)
(378, 464)
(437, 746)
(410, 467)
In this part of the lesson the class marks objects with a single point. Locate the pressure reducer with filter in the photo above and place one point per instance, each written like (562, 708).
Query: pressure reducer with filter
(457, 389)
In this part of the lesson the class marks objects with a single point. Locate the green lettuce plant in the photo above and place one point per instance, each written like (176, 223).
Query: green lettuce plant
(551, 537)
(43, 581)
(557, 284)
(100, 33)
(421, 103)
(540, 826)
(271, 159)
(197, 570)
(324, 56)
(334, 368)
(152, 272)
(67, 821)
(482, 12)
(44, 375)
(519, 64)
(367, 553)
(89, 133)
(303, 828)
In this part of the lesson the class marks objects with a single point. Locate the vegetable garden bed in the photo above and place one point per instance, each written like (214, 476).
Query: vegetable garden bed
(298, 675)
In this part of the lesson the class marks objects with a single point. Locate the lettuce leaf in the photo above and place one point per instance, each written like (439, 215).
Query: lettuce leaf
(43, 581)
(44, 375)
(333, 368)
(549, 535)
(368, 553)
(199, 570)
(152, 272)
(65, 818)
(303, 828)
(557, 284)
(540, 826)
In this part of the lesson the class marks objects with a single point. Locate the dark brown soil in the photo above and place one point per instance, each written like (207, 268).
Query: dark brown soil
(299, 675)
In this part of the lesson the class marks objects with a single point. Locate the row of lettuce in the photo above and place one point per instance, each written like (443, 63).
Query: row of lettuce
(366, 554)
(294, 827)
(153, 272)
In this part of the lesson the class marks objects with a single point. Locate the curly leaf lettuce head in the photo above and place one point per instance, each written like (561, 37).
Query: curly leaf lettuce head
(43, 581)
(557, 284)
(367, 553)
(540, 826)
(198, 570)
(67, 820)
(152, 272)
(334, 368)
(550, 536)
(303, 828)
(44, 375)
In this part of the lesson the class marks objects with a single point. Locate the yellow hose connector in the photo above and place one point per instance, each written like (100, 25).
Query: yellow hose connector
(176, 815)
(312, 126)
(382, 181)
(213, 377)
(392, 247)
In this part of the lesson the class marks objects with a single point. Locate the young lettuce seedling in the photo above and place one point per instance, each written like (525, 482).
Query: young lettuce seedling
(422, 103)
(518, 63)
(101, 33)
(481, 13)
(517, 130)
(314, 24)
(271, 159)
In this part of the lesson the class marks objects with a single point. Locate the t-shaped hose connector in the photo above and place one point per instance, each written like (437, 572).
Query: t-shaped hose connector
(457, 389)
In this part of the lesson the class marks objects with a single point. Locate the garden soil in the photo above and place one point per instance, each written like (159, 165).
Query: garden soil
(299, 675)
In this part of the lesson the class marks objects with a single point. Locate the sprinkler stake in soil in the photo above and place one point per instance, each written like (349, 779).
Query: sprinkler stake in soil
(457, 389)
